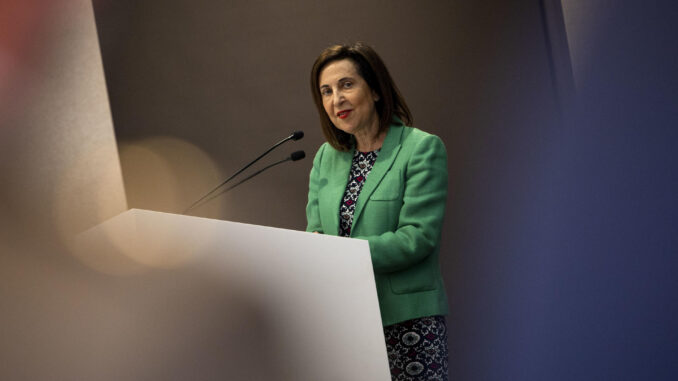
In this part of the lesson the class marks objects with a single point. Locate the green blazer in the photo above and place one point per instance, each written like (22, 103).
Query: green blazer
(399, 212)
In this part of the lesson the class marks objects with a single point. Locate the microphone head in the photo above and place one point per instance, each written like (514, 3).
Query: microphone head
(296, 135)
(298, 155)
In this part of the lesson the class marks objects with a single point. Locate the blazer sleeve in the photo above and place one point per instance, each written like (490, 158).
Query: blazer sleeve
(312, 208)
(421, 215)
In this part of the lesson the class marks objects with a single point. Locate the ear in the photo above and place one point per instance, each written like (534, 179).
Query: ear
(375, 96)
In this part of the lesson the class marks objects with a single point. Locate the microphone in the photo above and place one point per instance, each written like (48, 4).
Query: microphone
(298, 155)
(296, 135)
(295, 156)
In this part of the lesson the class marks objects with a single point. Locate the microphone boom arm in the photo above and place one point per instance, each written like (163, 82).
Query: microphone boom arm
(296, 135)
(298, 155)
(223, 191)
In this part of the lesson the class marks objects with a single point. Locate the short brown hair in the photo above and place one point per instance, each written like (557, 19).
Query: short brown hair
(372, 69)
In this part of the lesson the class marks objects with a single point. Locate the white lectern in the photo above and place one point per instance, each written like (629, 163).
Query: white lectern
(211, 299)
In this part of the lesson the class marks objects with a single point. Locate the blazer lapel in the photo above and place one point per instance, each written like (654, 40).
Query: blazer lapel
(387, 155)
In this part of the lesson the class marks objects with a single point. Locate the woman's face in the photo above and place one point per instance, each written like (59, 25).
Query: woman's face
(347, 99)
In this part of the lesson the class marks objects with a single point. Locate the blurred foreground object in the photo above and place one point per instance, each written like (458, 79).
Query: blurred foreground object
(59, 165)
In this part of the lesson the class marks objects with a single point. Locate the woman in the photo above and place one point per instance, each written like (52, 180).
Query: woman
(379, 180)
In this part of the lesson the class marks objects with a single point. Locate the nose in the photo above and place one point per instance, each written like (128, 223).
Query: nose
(337, 98)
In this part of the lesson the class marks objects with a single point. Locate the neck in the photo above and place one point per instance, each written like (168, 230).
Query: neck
(370, 140)
(367, 144)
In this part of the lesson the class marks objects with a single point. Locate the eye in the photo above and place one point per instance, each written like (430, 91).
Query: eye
(348, 84)
(325, 91)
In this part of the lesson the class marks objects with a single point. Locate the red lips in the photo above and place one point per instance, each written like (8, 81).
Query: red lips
(343, 114)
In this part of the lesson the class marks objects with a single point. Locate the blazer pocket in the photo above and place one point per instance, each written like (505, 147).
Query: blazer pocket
(417, 278)
(390, 188)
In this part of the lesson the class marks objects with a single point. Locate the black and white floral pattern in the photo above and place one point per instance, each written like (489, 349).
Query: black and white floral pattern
(417, 349)
(360, 168)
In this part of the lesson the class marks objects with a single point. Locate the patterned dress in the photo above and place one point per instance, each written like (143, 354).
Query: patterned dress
(417, 348)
